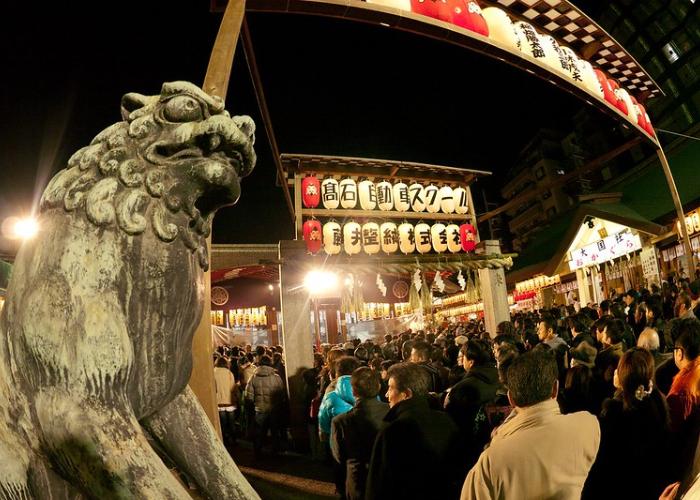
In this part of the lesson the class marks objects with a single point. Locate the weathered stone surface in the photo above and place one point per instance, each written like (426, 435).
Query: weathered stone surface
(96, 333)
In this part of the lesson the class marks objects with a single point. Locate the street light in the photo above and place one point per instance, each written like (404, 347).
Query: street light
(16, 228)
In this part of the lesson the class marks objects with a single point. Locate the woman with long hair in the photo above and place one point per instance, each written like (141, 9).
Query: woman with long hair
(633, 457)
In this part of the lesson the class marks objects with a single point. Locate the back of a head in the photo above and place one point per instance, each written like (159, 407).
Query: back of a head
(531, 377)
(422, 350)
(276, 358)
(579, 322)
(265, 360)
(505, 328)
(410, 376)
(617, 310)
(221, 362)
(635, 373)
(648, 339)
(259, 350)
(506, 355)
(589, 313)
(362, 354)
(684, 298)
(614, 329)
(689, 338)
(477, 351)
(365, 383)
(605, 306)
(346, 365)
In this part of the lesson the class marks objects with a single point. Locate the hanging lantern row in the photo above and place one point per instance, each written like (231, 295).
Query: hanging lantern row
(383, 195)
(371, 238)
(522, 37)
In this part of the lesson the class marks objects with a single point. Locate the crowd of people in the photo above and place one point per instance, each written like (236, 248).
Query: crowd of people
(600, 401)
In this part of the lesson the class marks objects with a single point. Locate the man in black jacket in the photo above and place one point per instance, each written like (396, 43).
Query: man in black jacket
(466, 398)
(420, 354)
(416, 453)
(353, 433)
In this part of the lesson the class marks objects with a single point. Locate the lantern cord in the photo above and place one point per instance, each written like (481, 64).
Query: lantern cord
(678, 134)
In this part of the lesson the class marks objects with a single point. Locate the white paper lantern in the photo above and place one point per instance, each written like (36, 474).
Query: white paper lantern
(422, 234)
(348, 193)
(574, 65)
(529, 41)
(368, 195)
(432, 198)
(438, 235)
(631, 108)
(417, 194)
(352, 238)
(330, 193)
(385, 195)
(447, 202)
(461, 201)
(389, 234)
(332, 238)
(402, 200)
(454, 241)
(501, 27)
(554, 57)
(371, 242)
(407, 241)
(590, 80)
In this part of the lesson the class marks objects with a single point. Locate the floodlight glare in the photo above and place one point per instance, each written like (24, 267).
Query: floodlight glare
(20, 228)
(318, 282)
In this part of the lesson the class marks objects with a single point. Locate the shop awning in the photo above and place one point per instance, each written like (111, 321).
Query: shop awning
(544, 253)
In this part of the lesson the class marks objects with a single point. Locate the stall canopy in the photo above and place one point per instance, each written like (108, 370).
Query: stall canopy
(546, 252)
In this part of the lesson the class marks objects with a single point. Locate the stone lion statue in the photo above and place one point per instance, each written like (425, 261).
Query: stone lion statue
(96, 333)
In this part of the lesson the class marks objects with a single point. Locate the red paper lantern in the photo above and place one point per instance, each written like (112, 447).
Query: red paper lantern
(438, 9)
(312, 235)
(467, 14)
(619, 103)
(310, 191)
(467, 234)
(608, 93)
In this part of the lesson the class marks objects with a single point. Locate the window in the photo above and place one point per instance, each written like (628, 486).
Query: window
(670, 50)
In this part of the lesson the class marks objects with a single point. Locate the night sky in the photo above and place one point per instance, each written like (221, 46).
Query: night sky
(333, 87)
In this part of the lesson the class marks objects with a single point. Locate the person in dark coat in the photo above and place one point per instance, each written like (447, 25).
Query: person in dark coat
(580, 326)
(633, 458)
(415, 453)
(420, 354)
(353, 433)
(607, 359)
(465, 400)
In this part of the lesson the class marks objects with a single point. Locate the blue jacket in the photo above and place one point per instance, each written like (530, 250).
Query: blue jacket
(335, 403)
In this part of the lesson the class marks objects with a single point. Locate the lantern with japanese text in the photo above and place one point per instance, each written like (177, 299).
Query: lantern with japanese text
(641, 114)
(407, 239)
(370, 238)
(529, 41)
(417, 194)
(389, 234)
(467, 234)
(422, 234)
(402, 200)
(330, 195)
(447, 202)
(432, 198)
(332, 238)
(348, 193)
(385, 195)
(367, 193)
(310, 191)
(461, 202)
(553, 55)
(454, 240)
(312, 235)
(467, 14)
(438, 235)
(501, 27)
(352, 238)
(572, 64)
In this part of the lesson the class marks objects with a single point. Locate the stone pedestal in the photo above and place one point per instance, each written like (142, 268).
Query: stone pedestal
(297, 335)
(493, 289)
